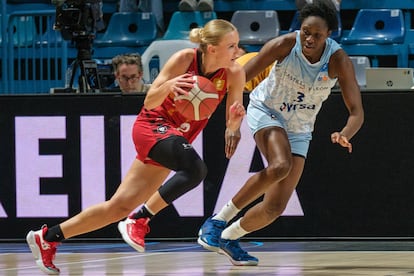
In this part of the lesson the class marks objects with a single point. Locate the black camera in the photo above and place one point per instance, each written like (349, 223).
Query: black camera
(78, 18)
(78, 21)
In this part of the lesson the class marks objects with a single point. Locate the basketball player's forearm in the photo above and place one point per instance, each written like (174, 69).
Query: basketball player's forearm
(233, 125)
(235, 115)
(352, 126)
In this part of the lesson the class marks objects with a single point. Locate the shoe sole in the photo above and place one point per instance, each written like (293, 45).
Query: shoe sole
(238, 263)
(122, 230)
(31, 241)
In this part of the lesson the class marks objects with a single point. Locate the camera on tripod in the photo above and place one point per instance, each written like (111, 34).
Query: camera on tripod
(78, 21)
(76, 18)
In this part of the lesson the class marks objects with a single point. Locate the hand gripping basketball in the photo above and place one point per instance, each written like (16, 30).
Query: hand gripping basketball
(201, 101)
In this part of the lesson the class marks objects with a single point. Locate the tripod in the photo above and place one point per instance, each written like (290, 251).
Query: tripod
(88, 80)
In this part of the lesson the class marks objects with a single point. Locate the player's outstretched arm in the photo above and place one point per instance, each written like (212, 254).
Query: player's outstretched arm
(232, 137)
(343, 69)
(235, 110)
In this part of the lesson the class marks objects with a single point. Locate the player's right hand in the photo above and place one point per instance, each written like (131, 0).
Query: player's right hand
(182, 84)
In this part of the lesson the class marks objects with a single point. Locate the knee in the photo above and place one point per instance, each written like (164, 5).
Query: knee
(183, 181)
(280, 169)
(198, 172)
(116, 210)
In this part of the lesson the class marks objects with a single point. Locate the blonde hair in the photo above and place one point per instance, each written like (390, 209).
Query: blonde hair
(130, 59)
(211, 33)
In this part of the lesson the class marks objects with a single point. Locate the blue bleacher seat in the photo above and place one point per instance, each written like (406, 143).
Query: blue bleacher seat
(21, 30)
(256, 27)
(336, 34)
(182, 22)
(129, 29)
(378, 32)
(380, 26)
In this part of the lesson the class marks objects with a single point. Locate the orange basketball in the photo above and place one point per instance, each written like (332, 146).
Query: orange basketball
(201, 101)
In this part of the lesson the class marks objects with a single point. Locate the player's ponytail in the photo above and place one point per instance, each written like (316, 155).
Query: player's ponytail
(211, 33)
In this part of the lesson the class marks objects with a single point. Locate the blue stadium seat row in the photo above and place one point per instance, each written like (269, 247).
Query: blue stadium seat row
(35, 56)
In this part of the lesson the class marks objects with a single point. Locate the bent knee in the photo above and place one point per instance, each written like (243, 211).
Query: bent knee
(280, 169)
(199, 172)
(197, 177)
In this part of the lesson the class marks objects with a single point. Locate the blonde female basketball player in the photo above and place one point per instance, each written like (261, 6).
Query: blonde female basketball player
(162, 138)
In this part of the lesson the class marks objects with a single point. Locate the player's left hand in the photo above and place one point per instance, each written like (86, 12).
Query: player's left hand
(232, 139)
(236, 114)
(338, 138)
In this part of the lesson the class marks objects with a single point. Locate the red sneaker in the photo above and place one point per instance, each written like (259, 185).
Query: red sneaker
(43, 251)
(133, 232)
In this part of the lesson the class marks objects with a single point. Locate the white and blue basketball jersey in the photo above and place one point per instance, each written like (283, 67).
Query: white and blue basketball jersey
(295, 89)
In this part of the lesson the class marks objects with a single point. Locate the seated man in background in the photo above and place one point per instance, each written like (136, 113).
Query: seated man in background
(128, 73)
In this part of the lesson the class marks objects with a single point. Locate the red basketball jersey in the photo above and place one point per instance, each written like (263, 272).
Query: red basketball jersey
(164, 120)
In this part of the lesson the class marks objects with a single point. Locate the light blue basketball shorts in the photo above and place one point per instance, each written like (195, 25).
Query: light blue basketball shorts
(259, 118)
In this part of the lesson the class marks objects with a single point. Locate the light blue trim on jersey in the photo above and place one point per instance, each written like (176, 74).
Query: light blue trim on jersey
(295, 89)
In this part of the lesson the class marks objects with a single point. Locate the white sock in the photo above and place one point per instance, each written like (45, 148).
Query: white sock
(228, 212)
(234, 231)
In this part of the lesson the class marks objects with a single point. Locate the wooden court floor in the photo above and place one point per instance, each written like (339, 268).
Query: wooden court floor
(163, 258)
